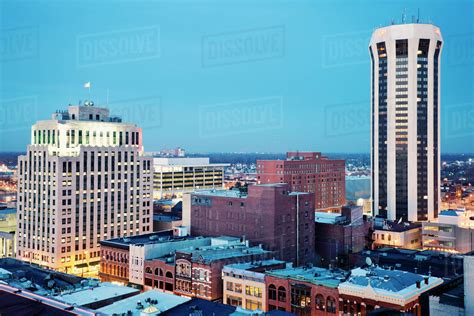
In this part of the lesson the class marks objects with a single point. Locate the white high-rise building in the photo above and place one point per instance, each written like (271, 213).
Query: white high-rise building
(405, 145)
(83, 179)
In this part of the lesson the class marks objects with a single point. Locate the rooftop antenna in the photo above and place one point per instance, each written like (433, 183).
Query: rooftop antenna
(107, 103)
(418, 17)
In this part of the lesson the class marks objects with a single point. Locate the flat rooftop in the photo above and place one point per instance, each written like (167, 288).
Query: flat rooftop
(389, 282)
(315, 275)
(151, 238)
(221, 193)
(25, 276)
(150, 300)
(104, 291)
(253, 265)
(214, 253)
(398, 228)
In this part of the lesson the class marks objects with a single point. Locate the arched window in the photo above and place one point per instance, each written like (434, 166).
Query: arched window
(331, 305)
(272, 292)
(319, 302)
(169, 275)
(157, 271)
(148, 270)
(282, 294)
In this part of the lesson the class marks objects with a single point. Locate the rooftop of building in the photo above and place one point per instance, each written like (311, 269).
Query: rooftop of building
(29, 277)
(151, 238)
(252, 191)
(94, 295)
(166, 217)
(401, 283)
(213, 253)
(87, 111)
(394, 226)
(253, 264)
(416, 261)
(13, 302)
(152, 300)
(329, 218)
(220, 193)
(315, 275)
(197, 306)
(186, 162)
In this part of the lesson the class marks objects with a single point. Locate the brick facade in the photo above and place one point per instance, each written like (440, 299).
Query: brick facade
(308, 172)
(267, 216)
(286, 295)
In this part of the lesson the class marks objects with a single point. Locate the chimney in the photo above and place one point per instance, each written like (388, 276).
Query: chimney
(426, 280)
(418, 284)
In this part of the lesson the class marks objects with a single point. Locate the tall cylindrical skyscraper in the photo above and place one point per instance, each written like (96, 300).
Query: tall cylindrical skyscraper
(405, 119)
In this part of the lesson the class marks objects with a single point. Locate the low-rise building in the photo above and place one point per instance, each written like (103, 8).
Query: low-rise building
(269, 214)
(199, 270)
(178, 175)
(452, 231)
(115, 255)
(146, 303)
(339, 234)
(438, 264)
(244, 283)
(123, 259)
(372, 288)
(304, 290)
(398, 235)
(66, 289)
(447, 299)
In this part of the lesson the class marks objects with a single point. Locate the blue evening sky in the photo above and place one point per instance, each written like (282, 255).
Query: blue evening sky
(240, 76)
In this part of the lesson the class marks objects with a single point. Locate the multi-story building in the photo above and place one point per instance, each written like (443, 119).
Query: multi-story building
(115, 254)
(199, 270)
(339, 234)
(304, 290)
(372, 288)
(405, 145)
(398, 235)
(270, 214)
(83, 179)
(244, 283)
(175, 176)
(308, 172)
(452, 231)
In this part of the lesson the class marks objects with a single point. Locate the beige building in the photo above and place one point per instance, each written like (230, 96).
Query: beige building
(244, 283)
(452, 231)
(83, 179)
(392, 234)
(175, 176)
(7, 232)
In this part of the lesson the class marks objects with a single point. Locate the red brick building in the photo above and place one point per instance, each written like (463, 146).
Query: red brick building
(159, 274)
(198, 272)
(304, 291)
(308, 172)
(337, 235)
(270, 214)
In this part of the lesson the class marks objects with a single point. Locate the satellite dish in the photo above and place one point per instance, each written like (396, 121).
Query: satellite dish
(368, 261)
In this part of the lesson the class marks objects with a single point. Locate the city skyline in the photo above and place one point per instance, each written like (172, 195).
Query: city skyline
(283, 95)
